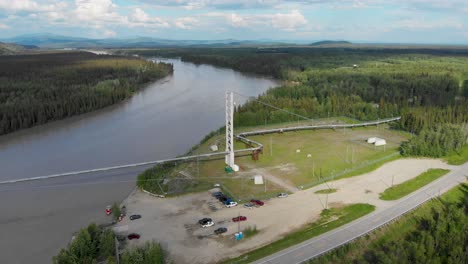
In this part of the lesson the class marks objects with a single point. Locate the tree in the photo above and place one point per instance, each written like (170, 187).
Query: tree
(116, 210)
(107, 244)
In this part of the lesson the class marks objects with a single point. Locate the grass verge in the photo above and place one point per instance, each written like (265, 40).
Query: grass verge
(458, 158)
(396, 231)
(325, 191)
(407, 187)
(329, 219)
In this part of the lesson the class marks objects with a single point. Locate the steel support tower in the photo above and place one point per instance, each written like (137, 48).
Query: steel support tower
(230, 129)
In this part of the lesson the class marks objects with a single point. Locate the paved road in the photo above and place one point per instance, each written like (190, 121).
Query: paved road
(328, 241)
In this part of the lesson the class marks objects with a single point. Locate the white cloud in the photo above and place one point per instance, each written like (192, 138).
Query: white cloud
(283, 21)
(236, 20)
(424, 24)
(96, 11)
(141, 18)
(3, 26)
(186, 22)
(109, 33)
(20, 5)
(288, 21)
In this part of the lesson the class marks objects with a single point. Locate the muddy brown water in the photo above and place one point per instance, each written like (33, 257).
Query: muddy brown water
(161, 121)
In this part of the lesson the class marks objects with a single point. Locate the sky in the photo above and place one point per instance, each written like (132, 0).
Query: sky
(386, 21)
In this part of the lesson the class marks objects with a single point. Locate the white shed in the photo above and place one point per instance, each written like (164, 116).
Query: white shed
(214, 148)
(380, 142)
(258, 179)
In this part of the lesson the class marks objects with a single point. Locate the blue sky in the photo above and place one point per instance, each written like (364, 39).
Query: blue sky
(403, 21)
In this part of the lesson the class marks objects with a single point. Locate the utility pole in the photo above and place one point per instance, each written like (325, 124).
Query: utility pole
(117, 250)
(326, 202)
(198, 168)
(271, 146)
(313, 168)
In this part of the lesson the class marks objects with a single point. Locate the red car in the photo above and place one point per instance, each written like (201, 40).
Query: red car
(239, 218)
(108, 210)
(133, 236)
(257, 202)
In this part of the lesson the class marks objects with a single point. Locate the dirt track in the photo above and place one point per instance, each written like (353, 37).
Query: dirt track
(173, 221)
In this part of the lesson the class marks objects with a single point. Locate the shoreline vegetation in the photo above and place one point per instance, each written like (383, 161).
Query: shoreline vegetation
(36, 89)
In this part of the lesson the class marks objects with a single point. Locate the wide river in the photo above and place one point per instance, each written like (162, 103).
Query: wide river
(161, 121)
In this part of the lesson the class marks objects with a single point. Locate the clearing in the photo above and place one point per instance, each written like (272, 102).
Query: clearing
(173, 221)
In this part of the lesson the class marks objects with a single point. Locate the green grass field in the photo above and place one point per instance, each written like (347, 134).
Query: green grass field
(407, 187)
(329, 219)
(325, 191)
(323, 154)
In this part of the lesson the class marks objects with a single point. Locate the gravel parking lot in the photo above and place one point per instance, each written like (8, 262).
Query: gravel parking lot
(174, 221)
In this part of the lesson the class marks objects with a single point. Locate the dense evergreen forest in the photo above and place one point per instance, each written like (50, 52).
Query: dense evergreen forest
(435, 233)
(35, 89)
(427, 87)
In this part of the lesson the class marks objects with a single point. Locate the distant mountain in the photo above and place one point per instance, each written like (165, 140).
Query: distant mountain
(330, 43)
(11, 48)
(47, 40)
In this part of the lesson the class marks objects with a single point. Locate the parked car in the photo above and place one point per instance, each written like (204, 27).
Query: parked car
(282, 195)
(108, 210)
(217, 194)
(133, 236)
(207, 224)
(257, 202)
(133, 217)
(201, 221)
(248, 206)
(239, 218)
(223, 198)
(230, 203)
(220, 230)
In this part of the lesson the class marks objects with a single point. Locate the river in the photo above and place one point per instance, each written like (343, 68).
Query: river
(161, 121)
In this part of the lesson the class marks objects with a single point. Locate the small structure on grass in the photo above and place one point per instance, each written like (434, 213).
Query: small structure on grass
(258, 179)
(380, 142)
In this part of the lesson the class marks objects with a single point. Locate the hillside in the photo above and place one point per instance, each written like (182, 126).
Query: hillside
(330, 43)
(11, 48)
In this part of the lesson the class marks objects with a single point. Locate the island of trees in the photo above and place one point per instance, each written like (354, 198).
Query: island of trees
(35, 89)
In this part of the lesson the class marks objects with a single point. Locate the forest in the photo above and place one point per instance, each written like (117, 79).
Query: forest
(35, 89)
(427, 87)
(434, 233)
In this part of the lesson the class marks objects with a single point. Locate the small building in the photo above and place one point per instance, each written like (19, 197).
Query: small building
(258, 179)
(371, 140)
(214, 148)
(380, 142)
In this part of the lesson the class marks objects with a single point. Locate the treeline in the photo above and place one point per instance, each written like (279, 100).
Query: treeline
(277, 61)
(440, 236)
(97, 245)
(35, 89)
(436, 141)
